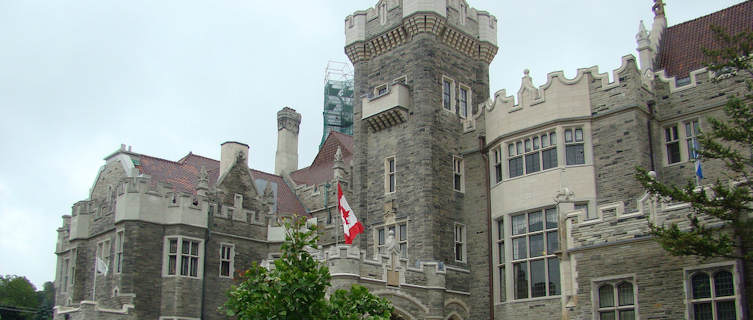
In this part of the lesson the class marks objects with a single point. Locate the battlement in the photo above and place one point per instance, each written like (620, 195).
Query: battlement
(371, 32)
(559, 98)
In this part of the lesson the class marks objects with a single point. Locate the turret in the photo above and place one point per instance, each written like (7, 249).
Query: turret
(286, 158)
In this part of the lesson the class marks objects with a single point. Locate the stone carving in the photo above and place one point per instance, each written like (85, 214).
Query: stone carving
(564, 195)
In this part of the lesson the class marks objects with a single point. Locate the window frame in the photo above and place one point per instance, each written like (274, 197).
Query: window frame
(179, 256)
(501, 260)
(531, 145)
(461, 241)
(682, 140)
(448, 98)
(390, 175)
(119, 245)
(230, 259)
(614, 282)
(574, 142)
(711, 270)
(458, 174)
(464, 106)
(383, 231)
(548, 255)
(496, 155)
(103, 251)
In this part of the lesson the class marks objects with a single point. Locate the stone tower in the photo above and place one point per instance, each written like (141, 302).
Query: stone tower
(422, 67)
(286, 158)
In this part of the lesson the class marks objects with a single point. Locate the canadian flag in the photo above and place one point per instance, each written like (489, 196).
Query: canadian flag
(351, 226)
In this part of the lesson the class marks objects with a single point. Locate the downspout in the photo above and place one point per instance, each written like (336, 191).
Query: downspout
(485, 156)
(204, 265)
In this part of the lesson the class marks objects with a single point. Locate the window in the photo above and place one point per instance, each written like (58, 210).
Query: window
(119, 251)
(103, 252)
(183, 257)
(400, 230)
(381, 90)
(539, 153)
(534, 240)
(227, 256)
(712, 295)
(497, 163)
(501, 260)
(672, 141)
(616, 301)
(460, 253)
(692, 130)
(389, 175)
(584, 206)
(457, 176)
(463, 101)
(574, 151)
(447, 87)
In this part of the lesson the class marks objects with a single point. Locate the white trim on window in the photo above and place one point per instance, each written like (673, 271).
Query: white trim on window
(678, 139)
(103, 251)
(615, 297)
(227, 260)
(458, 174)
(183, 257)
(717, 294)
(390, 174)
(527, 254)
(464, 102)
(447, 87)
(119, 244)
(381, 234)
(460, 249)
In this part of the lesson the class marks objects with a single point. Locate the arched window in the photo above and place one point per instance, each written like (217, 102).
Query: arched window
(616, 302)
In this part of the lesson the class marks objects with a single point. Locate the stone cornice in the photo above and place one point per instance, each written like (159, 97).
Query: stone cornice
(415, 24)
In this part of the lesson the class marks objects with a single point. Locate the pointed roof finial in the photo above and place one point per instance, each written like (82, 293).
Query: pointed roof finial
(339, 155)
(642, 33)
(658, 7)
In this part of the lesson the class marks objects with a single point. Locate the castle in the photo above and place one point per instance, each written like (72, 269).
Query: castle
(514, 207)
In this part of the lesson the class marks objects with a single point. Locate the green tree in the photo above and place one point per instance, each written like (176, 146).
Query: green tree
(18, 298)
(46, 298)
(295, 287)
(730, 141)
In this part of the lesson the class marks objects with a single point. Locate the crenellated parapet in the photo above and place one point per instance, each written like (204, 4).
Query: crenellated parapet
(370, 33)
(560, 97)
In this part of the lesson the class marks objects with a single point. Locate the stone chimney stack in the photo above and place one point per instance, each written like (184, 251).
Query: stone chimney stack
(288, 123)
(230, 152)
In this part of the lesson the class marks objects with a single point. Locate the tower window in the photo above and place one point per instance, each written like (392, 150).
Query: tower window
(389, 175)
(460, 254)
(574, 150)
(447, 87)
(463, 102)
(457, 177)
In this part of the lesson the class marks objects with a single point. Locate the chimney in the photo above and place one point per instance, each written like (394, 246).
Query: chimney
(288, 123)
(230, 152)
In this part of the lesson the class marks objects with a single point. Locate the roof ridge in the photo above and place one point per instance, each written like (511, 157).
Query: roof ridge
(190, 153)
(712, 13)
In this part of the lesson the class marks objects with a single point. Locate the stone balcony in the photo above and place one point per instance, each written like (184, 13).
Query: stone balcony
(387, 109)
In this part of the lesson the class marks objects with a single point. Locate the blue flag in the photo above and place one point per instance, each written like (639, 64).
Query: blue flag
(698, 170)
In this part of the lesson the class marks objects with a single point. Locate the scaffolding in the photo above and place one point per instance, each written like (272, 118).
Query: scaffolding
(338, 99)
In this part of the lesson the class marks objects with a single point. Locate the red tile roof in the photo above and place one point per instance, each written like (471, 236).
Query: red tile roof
(681, 45)
(184, 175)
(320, 170)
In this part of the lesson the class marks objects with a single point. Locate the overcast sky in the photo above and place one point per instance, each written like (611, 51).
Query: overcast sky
(78, 78)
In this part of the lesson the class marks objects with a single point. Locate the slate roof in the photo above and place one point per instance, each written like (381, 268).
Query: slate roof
(320, 170)
(184, 175)
(680, 50)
